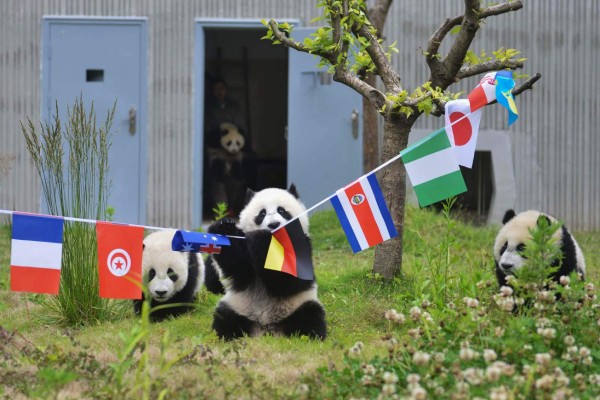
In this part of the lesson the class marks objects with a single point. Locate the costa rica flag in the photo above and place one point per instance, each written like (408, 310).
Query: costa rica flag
(363, 214)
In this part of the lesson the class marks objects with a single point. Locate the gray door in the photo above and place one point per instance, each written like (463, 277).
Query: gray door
(104, 59)
(324, 128)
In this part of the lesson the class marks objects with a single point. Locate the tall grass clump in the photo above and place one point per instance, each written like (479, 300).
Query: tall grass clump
(72, 162)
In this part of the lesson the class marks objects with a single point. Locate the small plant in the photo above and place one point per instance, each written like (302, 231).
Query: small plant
(72, 162)
(220, 211)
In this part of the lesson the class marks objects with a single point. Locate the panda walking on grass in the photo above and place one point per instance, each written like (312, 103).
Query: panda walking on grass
(513, 237)
(259, 300)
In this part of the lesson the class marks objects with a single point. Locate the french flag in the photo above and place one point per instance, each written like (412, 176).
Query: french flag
(36, 253)
(363, 213)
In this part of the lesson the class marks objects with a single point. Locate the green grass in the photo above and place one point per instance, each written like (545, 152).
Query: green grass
(444, 261)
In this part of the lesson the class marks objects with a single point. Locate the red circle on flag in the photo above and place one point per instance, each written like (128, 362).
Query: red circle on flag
(462, 130)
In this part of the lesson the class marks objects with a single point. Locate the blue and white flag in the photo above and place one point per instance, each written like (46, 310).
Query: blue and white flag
(363, 213)
(198, 242)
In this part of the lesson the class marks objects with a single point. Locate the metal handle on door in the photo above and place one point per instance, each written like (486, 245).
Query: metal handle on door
(354, 118)
(132, 120)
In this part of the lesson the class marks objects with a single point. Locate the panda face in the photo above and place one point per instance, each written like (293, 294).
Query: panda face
(512, 239)
(232, 140)
(165, 271)
(270, 208)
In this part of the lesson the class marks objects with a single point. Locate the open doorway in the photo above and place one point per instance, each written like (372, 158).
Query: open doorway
(474, 204)
(245, 84)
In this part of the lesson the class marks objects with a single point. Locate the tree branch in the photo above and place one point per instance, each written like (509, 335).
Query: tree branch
(436, 39)
(375, 96)
(440, 74)
(290, 43)
(378, 14)
(487, 66)
(385, 70)
(517, 90)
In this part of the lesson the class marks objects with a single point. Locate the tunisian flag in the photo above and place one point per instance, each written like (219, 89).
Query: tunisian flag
(120, 260)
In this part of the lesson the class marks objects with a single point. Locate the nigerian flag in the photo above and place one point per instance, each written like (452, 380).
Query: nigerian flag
(433, 169)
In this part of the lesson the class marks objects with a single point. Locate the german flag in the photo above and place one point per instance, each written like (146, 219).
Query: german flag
(289, 252)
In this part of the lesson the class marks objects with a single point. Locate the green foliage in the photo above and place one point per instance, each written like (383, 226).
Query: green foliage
(477, 346)
(72, 162)
(220, 211)
(448, 308)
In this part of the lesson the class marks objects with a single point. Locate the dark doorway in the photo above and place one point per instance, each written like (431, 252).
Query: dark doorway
(256, 77)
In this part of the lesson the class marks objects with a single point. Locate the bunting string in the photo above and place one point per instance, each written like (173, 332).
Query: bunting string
(378, 168)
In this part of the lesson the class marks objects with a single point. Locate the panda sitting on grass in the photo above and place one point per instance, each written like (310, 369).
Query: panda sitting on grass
(516, 233)
(259, 300)
(169, 277)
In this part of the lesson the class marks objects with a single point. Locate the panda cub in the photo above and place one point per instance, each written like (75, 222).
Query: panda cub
(259, 300)
(513, 237)
(168, 276)
(225, 157)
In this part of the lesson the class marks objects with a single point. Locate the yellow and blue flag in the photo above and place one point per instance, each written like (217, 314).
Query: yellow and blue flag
(504, 87)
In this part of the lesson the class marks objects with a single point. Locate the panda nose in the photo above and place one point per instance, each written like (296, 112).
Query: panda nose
(160, 293)
(507, 266)
(273, 225)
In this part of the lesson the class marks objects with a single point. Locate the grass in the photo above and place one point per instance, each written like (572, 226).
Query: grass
(443, 259)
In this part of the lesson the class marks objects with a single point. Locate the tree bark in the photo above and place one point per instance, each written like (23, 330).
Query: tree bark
(370, 131)
(392, 179)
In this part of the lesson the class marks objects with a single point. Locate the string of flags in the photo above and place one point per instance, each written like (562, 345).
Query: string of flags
(432, 165)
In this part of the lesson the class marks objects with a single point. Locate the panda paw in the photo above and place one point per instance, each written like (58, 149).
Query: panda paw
(224, 226)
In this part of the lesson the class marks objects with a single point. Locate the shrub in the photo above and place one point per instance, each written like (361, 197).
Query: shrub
(72, 162)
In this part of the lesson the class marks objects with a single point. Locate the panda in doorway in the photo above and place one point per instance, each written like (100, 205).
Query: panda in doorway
(513, 237)
(259, 300)
(168, 276)
(225, 157)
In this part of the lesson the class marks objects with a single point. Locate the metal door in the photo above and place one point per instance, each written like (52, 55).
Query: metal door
(103, 60)
(324, 128)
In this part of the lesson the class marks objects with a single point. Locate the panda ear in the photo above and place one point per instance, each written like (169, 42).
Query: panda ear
(543, 221)
(293, 191)
(249, 195)
(508, 216)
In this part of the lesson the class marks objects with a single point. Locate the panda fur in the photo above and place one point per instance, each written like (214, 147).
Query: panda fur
(169, 276)
(225, 157)
(514, 235)
(259, 300)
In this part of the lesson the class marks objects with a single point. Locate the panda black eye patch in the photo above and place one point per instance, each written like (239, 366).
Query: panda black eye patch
(503, 248)
(172, 275)
(521, 248)
(284, 213)
(229, 143)
(151, 274)
(260, 217)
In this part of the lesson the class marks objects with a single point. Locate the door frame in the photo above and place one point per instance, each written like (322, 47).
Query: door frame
(200, 24)
(142, 113)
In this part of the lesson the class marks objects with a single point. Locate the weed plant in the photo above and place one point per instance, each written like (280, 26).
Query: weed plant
(72, 162)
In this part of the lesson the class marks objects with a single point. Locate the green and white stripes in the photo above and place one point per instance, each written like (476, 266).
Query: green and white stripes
(432, 168)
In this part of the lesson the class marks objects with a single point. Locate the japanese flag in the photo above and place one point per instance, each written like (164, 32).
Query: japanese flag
(462, 127)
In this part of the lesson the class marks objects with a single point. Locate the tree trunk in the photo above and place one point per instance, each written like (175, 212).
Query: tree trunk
(370, 134)
(388, 255)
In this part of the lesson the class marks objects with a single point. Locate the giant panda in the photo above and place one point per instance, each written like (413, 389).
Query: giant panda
(259, 300)
(225, 158)
(168, 276)
(513, 237)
